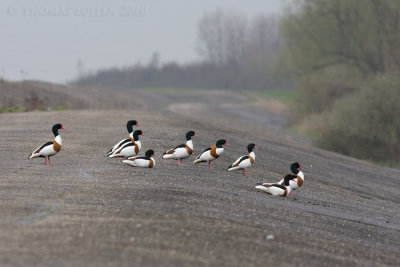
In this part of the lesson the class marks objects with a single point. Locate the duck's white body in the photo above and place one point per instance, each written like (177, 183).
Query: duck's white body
(127, 150)
(243, 162)
(143, 162)
(120, 143)
(49, 149)
(129, 127)
(180, 152)
(275, 189)
(209, 154)
(295, 183)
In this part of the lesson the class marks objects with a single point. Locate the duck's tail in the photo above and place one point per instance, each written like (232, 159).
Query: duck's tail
(167, 156)
(197, 161)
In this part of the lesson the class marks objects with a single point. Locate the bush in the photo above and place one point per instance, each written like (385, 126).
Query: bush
(366, 124)
(318, 92)
(342, 55)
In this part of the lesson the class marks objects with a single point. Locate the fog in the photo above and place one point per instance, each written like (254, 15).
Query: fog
(45, 40)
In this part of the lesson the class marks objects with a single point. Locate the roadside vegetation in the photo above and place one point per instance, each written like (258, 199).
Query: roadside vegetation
(344, 59)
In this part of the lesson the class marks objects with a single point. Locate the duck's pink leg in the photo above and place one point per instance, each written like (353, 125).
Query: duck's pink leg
(49, 162)
(244, 172)
(291, 194)
(209, 165)
(180, 163)
(45, 160)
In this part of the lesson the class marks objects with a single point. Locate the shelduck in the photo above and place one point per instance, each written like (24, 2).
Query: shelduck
(50, 148)
(244, 161)
(296, 179)
(182, 151)
(212, 153)
(144, 162)
(131, 148)
(129, 127)
(277, 189)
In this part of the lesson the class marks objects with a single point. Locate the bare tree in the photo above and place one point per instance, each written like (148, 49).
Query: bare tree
(222, 36)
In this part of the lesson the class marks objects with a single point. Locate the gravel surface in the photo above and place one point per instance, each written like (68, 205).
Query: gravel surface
(90, 210)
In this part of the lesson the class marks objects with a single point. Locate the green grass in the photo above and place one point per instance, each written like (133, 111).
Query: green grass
(286, 97)
(280, 95)
(165, 90)
(12, 109)
(60, 108)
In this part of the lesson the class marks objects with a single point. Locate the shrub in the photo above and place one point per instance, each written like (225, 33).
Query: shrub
(366, 124)
(318, 92)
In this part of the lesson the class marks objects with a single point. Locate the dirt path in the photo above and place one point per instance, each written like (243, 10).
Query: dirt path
(89, 210)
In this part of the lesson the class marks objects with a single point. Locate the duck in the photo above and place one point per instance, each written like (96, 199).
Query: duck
(129, 149)
(296, 179)
(129, 126)
(277, 189)
(245, 161)
(144, 162)
(182, 151)
(212, 153)
(50, 148)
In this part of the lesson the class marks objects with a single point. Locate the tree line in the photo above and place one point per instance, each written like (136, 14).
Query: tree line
(344, 58)
(237, 54)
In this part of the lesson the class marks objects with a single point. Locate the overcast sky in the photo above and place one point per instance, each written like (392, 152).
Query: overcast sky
(45, 39)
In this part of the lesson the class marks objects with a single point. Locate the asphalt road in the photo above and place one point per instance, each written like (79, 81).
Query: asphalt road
(90, 210)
